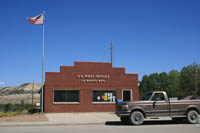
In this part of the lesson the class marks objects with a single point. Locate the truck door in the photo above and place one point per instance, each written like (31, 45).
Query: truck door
(159, 106)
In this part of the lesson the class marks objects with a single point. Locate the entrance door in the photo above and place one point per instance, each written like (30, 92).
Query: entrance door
(127, 95)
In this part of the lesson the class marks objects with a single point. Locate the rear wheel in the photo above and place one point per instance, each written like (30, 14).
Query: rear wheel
(136, 118)
(193, 117)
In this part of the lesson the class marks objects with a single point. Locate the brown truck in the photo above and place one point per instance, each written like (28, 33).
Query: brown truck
(156, 104)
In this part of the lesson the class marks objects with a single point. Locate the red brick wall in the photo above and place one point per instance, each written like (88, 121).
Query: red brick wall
(67, 78)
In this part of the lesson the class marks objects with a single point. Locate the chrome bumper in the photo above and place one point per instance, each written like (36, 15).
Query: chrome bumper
(123, 113)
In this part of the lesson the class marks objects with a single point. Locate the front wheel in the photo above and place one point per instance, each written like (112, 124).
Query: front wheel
(136, 118)
(193, 117)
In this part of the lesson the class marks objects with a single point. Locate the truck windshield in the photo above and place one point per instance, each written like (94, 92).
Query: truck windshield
(146, 96)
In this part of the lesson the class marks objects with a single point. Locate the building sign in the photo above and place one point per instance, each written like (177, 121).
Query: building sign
(91, 78)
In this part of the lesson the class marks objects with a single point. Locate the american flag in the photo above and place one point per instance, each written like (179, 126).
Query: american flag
(37, 19)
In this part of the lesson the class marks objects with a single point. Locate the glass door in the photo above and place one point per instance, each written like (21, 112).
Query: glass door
(127, 95)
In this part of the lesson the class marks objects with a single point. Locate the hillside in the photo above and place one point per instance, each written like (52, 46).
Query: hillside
(15, 94)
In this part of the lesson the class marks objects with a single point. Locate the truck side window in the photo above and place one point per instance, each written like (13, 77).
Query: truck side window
(158, 97)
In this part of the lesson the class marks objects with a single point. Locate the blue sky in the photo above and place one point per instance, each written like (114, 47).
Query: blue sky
(148, 35)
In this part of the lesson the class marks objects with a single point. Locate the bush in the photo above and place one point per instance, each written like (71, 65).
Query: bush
(9, 107)
(14, 107)
(34, 110)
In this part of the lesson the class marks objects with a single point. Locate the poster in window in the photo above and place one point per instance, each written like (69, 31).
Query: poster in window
(102, 97)
(113, 98)
(108, 97)
(98, 98)
(105, 98)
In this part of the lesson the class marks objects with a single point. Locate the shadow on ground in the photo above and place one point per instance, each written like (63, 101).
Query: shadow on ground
(161, 122)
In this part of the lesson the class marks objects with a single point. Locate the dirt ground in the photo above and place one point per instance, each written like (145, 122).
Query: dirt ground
(24, 118)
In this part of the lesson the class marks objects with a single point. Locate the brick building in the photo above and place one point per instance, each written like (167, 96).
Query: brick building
(88, 87)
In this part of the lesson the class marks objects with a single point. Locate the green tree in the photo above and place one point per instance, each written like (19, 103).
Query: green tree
(154, 82)
(198, 80)
(187, 83)
(149, 83)
(175, 83)
(164, 82)
(174, 88)
(143, 85)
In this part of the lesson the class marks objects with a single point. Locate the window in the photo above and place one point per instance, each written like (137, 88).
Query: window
(158, 97)
(66, 96)
(103, 95)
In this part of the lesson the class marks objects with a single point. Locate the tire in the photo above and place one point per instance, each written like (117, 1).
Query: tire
(193, 117)
(136, 118)
(124, 119)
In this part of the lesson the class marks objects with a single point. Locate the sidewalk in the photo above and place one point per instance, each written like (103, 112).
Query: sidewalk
(74, 119)
(69, 119)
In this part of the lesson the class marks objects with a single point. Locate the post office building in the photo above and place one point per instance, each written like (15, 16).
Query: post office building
(88, 87)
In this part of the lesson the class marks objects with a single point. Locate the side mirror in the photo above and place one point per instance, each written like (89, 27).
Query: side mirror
(154, 104)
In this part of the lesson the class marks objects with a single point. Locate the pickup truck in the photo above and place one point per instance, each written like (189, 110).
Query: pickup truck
(157, 104)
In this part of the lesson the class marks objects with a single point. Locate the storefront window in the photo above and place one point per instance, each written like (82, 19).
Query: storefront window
(66, 96)
(103, 96)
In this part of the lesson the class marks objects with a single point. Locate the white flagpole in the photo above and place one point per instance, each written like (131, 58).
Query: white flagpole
(42, 104)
